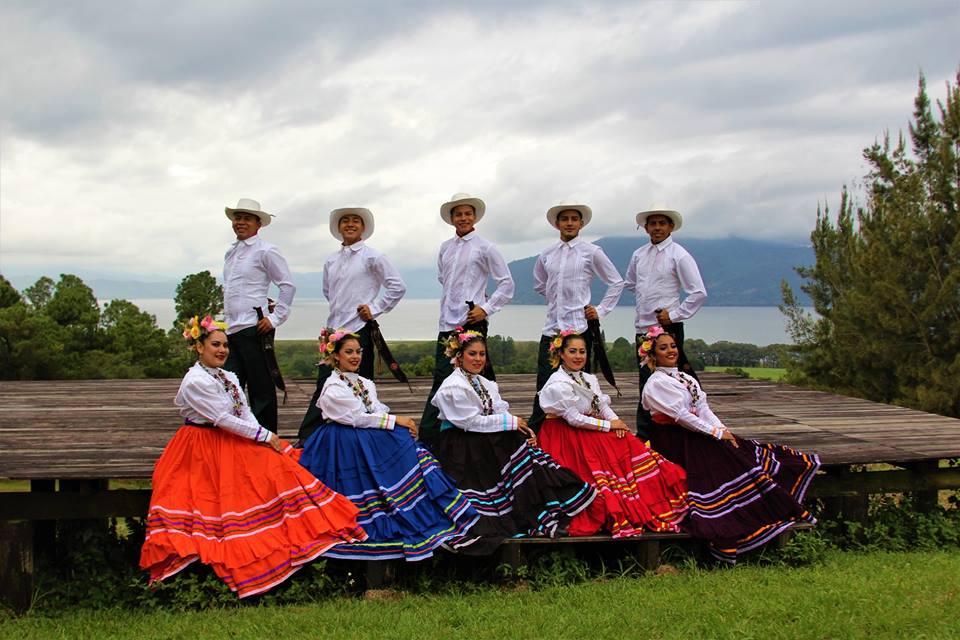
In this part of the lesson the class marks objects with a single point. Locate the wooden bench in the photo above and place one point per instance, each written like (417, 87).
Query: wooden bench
(71, 440)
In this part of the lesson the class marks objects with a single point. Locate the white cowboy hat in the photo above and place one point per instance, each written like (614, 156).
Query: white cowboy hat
(462, 198)
(659, 208)
(246, 205)
(585, 212)
(364, 214)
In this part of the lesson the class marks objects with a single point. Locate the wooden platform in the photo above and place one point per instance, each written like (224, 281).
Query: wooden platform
(117, 428)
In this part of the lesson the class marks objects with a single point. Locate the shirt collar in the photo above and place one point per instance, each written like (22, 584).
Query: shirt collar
(662, 246)
(467, 238)
(249, 241)
(573, 243)
(356, 246)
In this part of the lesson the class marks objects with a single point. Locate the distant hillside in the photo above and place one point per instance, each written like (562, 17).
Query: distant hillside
(737, 272)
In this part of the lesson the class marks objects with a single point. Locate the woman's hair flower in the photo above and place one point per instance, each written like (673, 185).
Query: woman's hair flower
(454, 344)
(556, 345)
(195, 329)
(648, 340)
(328, 342)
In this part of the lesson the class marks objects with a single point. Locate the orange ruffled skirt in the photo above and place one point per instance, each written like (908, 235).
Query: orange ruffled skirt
(254, 515)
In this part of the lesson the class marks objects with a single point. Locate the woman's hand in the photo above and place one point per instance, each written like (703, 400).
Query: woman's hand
(728, 436)
(408, 423)
(274, 442)
(619, 427)
(527, 431)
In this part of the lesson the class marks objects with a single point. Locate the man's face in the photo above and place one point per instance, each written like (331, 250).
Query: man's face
(658, 227)
(245, 225)
(351, 228)
(463, 218)
(569, 222)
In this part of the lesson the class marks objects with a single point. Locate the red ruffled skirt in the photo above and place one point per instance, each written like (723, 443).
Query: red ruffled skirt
(254, 515)
(637, 488)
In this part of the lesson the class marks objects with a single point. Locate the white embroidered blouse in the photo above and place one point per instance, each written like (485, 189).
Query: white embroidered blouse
(339, 401)
(202, 398)
(570, 395)
(679, 396)
(461, 405)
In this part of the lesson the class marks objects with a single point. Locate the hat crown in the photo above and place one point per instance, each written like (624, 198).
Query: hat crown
(460, 196)
(247, 203)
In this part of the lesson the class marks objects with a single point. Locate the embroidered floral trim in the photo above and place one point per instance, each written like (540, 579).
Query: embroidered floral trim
(358, 389)
(485, 399)
(232, 390)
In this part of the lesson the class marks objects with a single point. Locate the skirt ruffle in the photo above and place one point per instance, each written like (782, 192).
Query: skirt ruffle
(517, 489)
(637, 488)
(408, 506)
(740, 497)
(254, 515)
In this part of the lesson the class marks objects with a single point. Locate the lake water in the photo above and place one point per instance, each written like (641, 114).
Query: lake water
(417, 320)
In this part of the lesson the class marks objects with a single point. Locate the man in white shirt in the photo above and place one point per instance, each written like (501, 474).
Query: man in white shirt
(563, 274)
(656, 274)
(249, 267)
(352, 279)
(464, 264)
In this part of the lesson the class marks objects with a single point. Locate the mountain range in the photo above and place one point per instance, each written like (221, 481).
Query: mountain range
(736, 271)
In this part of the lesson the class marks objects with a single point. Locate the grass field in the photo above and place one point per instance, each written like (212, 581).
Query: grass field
(761, 373)
(879, 595)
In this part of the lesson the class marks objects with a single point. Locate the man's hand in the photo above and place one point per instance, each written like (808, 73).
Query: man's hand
(476, 314)
(264, 325)
(663, 317)
(591, 312)
(364, 312)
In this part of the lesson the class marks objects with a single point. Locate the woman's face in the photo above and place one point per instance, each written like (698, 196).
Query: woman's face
(474, 357)
(665, 352)
(574, 354)
(348, 357)
(213, 349)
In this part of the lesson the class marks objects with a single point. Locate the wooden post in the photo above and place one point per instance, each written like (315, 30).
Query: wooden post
(927, 500)
(381, 574)
(44, 531)
(649, 554)
(851, 507)
(16, 564)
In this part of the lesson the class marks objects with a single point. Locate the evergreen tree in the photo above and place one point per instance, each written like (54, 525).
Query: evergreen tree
(886, 280)
(198, 294)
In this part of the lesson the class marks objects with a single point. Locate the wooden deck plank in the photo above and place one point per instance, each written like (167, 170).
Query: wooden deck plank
(117, 428)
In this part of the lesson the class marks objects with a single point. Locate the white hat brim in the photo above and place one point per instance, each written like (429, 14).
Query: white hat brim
(585, 212)
(264, 217)
(479, 207)
(670, 213)
(364, 214)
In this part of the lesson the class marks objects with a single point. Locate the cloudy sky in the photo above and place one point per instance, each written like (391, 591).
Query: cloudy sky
(128, 126)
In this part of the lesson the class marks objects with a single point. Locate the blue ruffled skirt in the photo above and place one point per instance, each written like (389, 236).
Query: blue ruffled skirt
(408, 505)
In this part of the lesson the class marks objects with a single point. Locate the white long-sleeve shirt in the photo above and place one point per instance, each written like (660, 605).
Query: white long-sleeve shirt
(202, 398)
(665, 393)
(353, 276)
(339, 404)
(461, 405)
(563, 396)
(248, 269)
(463, 266)
(656, 274)
(562, 274)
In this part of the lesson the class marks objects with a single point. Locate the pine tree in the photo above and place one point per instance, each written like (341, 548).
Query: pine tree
(886, 280)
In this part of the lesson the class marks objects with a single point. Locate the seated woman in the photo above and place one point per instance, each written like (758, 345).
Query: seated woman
(492, 455)
(229, 493)
(637, 488)
(743, 493)
(408, 506)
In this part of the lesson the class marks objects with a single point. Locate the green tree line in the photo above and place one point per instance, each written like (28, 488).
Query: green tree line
(885, 284)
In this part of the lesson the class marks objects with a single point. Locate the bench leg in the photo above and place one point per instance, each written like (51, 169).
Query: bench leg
(16, 564)
(648, 554)
(512, 556)
(381, 574)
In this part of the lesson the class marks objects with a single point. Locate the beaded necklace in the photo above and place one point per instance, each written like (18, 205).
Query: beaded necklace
(485, 398)
(595, 410)
(360, 391)
(689, 383)
(229, 387)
